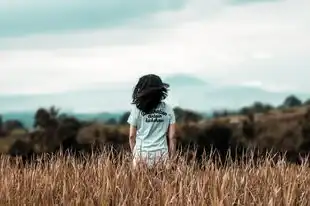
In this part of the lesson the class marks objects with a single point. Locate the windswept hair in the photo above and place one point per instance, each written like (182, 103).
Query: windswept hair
(149, 93)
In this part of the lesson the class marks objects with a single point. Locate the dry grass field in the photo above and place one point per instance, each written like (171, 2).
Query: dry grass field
(101, 180)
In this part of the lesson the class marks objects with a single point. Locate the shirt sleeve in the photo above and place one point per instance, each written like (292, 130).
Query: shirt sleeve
(133, 116)
(172, 115)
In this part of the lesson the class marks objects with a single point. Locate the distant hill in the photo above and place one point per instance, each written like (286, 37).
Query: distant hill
(195, 93)
(186, 91)
(183, 80)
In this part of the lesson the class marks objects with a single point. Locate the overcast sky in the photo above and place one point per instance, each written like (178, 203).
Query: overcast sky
(52, 46)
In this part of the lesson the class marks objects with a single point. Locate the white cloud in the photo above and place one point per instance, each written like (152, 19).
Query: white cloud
(266, 42)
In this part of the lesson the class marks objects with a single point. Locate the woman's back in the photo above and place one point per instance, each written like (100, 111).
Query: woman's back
(152, 127)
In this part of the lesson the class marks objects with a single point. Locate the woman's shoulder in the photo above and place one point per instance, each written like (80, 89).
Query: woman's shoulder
(167, 106)
(134, 109)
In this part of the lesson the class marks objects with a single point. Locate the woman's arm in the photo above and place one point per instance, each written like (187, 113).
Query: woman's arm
(132, 136)
(133, 120)
(172, 140)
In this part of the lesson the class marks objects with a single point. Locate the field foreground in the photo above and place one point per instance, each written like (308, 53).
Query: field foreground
(99, 180)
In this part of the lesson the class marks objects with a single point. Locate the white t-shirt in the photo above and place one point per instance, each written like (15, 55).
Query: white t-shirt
(152, 128)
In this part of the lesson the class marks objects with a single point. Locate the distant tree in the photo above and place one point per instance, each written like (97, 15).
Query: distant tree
(216, 114)
(45, 117)
(245, 110)
(268, 107)
(54, 112)
(41, 118)
(222, 113)
(62, 116)
(292, 101)
(307, 102)
(261, 107)
(10, 125)
(1, 125)
(111, 121)
(191, 116)
(185, 116)
(124, 118)
(258, 107)
(178, 112)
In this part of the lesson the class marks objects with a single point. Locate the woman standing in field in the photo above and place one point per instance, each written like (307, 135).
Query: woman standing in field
(151, 120)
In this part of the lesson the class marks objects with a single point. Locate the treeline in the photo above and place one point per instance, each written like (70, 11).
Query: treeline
(53, 130)
(260, 107)
(184, 116)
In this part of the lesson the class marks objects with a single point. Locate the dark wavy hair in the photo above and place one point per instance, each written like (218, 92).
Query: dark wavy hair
(149, 93)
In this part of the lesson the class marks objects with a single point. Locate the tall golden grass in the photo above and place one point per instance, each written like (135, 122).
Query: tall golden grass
(99, 179)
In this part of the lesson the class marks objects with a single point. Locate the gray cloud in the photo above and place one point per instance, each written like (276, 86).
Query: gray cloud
(18, 18)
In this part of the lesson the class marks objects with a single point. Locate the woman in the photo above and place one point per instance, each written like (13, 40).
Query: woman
(151, 120)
